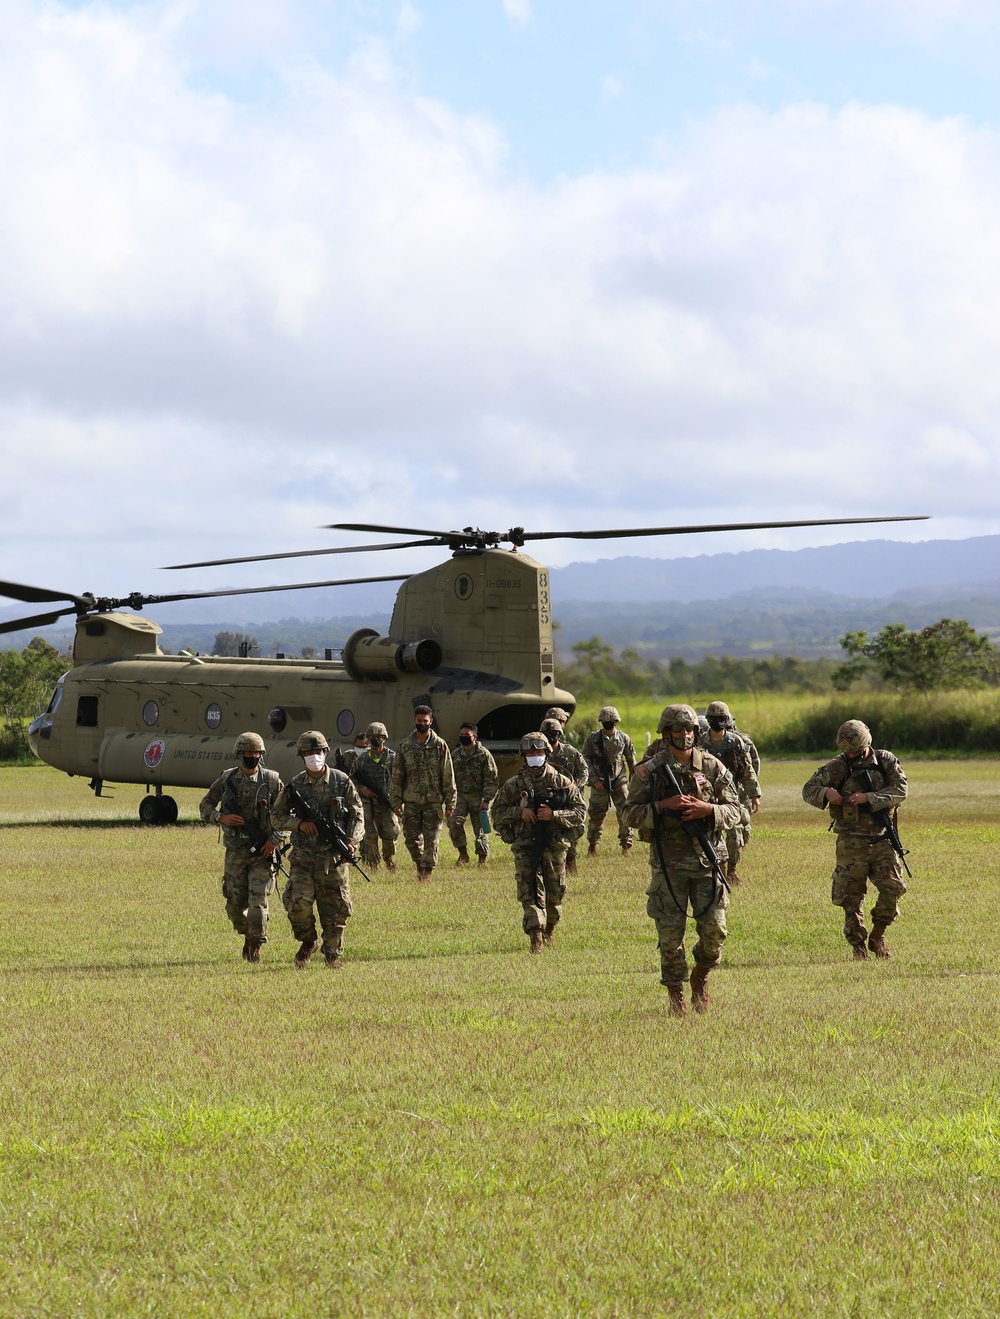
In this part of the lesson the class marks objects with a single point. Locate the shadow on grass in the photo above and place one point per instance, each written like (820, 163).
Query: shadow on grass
(99, 824)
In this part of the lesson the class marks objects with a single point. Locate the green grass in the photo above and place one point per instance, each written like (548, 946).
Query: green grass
(451, 1127)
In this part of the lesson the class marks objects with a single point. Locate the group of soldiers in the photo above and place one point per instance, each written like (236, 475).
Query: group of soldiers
(691, 798)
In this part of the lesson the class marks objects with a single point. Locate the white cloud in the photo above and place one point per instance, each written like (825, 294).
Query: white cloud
(334, 305)
(519, 11)
(409, 20)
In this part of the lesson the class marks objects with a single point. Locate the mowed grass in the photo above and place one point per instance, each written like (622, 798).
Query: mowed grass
(450, 1126)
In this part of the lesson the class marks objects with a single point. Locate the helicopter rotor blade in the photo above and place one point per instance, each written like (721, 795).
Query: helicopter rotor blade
(42, 595)
(139, 601)
(304, 554)
(623, 532)
(36, 620)
(397, 531)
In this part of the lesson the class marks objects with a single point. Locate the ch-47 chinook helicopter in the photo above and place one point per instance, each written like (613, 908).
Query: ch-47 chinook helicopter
(471, 637)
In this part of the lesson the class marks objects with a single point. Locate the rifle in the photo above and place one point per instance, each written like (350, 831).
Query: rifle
(254, 836)
(379, 792)
(329, 832)
(542, 831)
(604, 765)
(884, 817)
(696, 830)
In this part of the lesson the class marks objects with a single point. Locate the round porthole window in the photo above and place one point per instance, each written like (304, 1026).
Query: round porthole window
(213, 716)
(150, 713)
(277, 719)
(345, 723)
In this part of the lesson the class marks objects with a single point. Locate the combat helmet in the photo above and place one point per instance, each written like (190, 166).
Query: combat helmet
(557, 713)
(552, 728)
(535, 742)
(608, 714)
(311, 742)
(377, 730)
(677, 716)
(853, 737)
(718, 710)
(248, 742)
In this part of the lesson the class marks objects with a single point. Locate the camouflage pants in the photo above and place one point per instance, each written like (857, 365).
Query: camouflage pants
(468, 808)
(692, 886)
(310, 883)
(541, 898)
(246, 882)
(421, 832)
(600, 804)
(737, 838)
(860, 860)
(380, 825)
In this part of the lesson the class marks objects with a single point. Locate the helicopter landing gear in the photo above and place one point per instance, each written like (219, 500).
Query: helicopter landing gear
(158, 810)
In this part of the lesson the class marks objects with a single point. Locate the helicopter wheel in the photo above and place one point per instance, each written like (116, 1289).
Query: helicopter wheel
(157, 810)
(168, 810)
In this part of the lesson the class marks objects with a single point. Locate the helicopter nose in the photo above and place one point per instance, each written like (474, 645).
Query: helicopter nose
(38, 731)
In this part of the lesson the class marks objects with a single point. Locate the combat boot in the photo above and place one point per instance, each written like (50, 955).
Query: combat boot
(699, 987)
(626, 846)
(481, 862)
(253, 947)
(592, 849)
(734, 879)
(463, 856)
(548, 935)
(306, 949)
(876, 940)
(571, 865)
(390, 864)
(676, 992)
(335, 954)
(860, 952)
(246, 949)
(536, 941)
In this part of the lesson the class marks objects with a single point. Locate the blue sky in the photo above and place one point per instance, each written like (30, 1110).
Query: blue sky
(517, 262)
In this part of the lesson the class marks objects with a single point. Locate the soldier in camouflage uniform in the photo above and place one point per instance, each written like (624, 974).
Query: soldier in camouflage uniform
(538, 811)
(345, 758)
(738, 753)
(610, 758)
(681, 875)
(423, 790)
(559, 714)
(567, 760)
(371, 774)
(316, 874)
(246, 793)
(476, 782)
(864, 852)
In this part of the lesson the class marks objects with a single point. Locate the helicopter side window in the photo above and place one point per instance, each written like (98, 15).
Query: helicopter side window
(86, 712)
(55, 702)
(150, 713)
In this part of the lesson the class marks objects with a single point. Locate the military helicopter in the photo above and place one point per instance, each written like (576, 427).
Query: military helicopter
(471, 637)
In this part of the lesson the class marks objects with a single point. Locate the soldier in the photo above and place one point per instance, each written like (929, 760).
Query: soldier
(737, 752)
(371, 774)
(476, 782)
(610, 758)
(556, 712)
(567, 760)
(317, 874)
(423, 790)
(863, 848)
(346, 759)
(681, 873)
(537, 812)
(239, 798)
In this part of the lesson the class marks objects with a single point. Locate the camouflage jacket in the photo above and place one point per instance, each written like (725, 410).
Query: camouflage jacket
(344, 758)
(250, 795)
(887, 777)
(332, 797)
(476, 774)
(615, 753)
(423, 775)
(567, 760)
(526, 790)
(733, 749)
(703, 776)
(376, 775)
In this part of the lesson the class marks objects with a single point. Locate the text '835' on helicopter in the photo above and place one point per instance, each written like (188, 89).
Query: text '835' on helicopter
(470, 637)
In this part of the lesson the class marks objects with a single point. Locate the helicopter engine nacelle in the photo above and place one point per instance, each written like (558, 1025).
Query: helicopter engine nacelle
(367, 655)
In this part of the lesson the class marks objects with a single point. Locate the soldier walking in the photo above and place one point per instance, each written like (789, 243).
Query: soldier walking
(610, 758)
(537, 812)
(371, 774)
(738, 753)
(681, 875)
(317, 873)
(567, 760)
(476, 783)
(423, 790)
(241, 800)
(855, 788)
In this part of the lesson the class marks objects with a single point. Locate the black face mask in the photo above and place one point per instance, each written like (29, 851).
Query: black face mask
(422, 729)
(251, 762)
(377, 746)
(465, 740)
(608, 728)
(718, 723)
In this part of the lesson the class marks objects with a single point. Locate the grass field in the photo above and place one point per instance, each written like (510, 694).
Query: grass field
(449, 1126)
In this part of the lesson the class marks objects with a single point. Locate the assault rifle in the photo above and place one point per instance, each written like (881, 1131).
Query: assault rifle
(696, 830)
(329, 832)
(379, 792)
(883, 818)
(556, 798)
(254, 835)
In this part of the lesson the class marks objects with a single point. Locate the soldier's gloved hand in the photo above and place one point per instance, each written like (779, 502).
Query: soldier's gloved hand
(232, 821)
(834, 797)
(544, 812)
(308, 828)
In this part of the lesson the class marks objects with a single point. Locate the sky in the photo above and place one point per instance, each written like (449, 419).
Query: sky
(271, 264)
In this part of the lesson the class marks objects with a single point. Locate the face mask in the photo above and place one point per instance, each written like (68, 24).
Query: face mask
(718, 725)
(465, 740)
(316, 761)
(535, 762)
(423, 729)
(682, 739)
(608, 728)
(377, 746)
(251, 762)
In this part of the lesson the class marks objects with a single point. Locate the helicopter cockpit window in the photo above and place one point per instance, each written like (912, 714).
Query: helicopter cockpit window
(86, 712)
(277, 719)
(213, 716)
(53, 705)
(150, 713)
